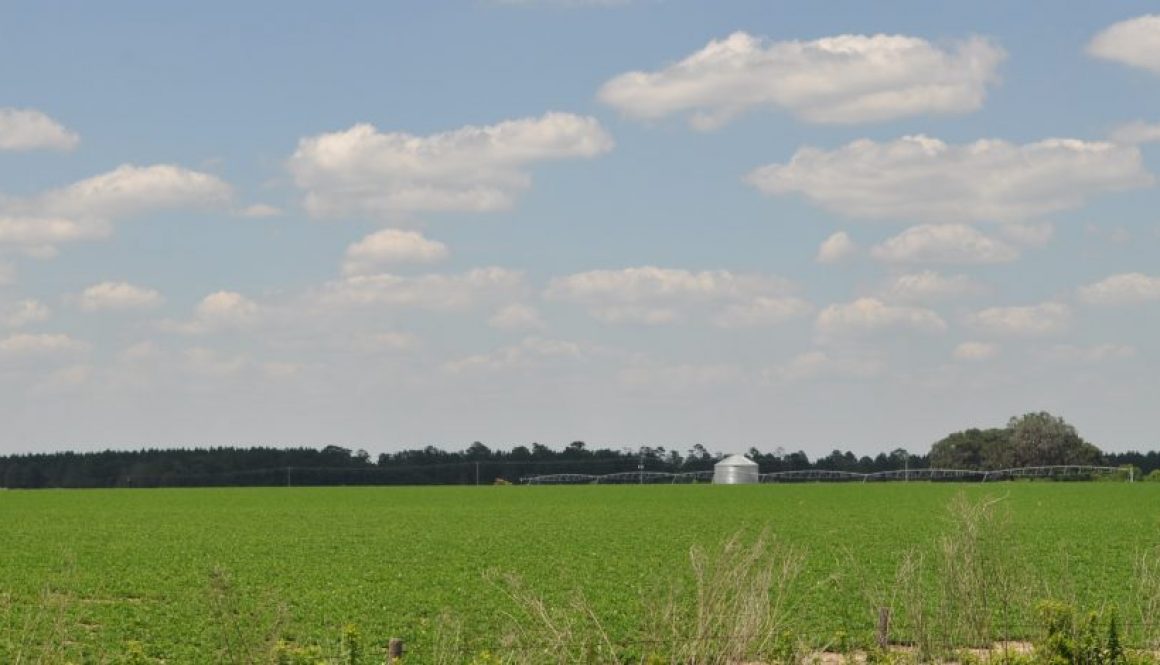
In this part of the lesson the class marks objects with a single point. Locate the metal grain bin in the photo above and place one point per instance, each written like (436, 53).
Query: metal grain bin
(735, 470)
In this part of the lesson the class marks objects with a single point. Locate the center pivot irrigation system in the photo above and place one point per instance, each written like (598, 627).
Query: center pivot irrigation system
(1065, 472)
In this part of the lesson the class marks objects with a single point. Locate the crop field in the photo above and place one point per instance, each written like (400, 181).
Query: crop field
(172, 574)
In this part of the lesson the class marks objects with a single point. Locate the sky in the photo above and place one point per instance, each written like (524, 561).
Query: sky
(387, 225)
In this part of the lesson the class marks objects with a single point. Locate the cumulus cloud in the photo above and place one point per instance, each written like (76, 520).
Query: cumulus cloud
(870, 315)
(924, 179)
(1036, 234)
(1086, 355)
(85, 210)
(29, 129)
(24, 312)
(840, 79)
(260, 211)
(943, 243)
(516, 316)
(1134, 42)
(386, 341)
(1122, 289)
(210, 363)
(118, 296)
(654, 295)
(38, 235)
(477, 287)
(391, 246)
(820, 364)
(1027, 321)
(362, 171)
(837, 248)
(762, 311)
(219, 311)
(39, 344)
(678, 377)
(130, 190)
(63, 380)
(929, 286)
(531, 352)
(1134, 133)
(975, 351)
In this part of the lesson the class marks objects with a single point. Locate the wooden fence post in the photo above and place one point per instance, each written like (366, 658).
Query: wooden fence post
(882, 634)
(394, 650)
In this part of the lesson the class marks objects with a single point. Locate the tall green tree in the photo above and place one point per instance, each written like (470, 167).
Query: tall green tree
(1041, 439)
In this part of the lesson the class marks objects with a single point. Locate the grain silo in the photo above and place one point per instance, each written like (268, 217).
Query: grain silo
(735, 470)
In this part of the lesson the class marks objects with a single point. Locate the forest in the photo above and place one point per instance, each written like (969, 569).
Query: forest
(1029, 440)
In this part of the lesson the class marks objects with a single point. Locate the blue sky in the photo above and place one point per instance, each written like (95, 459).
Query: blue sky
(387, 225)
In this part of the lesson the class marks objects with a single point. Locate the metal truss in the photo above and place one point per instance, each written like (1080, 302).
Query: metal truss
(635, 477)
(561, 479)
(928, 474)
(810, 474)
(1056, 471)
(1073, 471)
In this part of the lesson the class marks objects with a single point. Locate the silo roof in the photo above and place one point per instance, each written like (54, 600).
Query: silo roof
(736, 460)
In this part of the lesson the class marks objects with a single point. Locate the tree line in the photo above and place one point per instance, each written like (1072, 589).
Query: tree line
(1034, 439)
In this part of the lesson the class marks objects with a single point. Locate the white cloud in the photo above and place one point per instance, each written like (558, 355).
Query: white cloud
(260, 211)
(762, 311)
(819, 364)
(678, 377)
(943, 243)
(391, 246)
(923, 179)
(211, 363)
(975, 351)
(24, 312)
(218, 312)
(44, 232)
(1035, 234)
(141, 352)
(1134, 42)
(118, 295)
(7, 274)
(840, 79)
(837, 248)
(63, 380)
(929, 286)
(435, 291)
(392, 341)
(531, 352)
(654, 295)
(225, 309)
(1028, 321)
(29, 129)
(39, 344)
(1137, 132)
(362, 171)
(1086, 355)
(870, 315)
(516, 316)
(1122, 289)
(85, 209)
(129, 191)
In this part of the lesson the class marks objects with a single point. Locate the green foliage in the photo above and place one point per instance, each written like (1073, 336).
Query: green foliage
(1040, 439)
(289, 653)
(296, 564)
(1094, 640)
(351, 645)
(1034, 439)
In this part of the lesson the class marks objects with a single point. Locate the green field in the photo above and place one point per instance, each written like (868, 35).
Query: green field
(107, 568)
